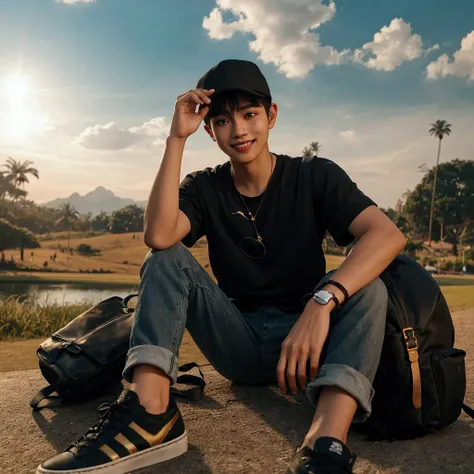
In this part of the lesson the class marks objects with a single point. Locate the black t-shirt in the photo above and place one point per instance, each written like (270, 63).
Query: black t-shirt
(303, 201)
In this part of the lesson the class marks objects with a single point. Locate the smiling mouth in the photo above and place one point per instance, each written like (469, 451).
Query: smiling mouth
(243, 145)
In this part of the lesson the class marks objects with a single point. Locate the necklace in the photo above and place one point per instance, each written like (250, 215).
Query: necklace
(252, 216)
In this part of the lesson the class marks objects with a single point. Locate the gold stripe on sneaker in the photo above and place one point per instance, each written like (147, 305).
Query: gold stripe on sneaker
(126, 443)
(158, 438)
(109, 452)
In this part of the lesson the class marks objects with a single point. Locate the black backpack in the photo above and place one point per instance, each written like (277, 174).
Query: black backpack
(421, 380)
(420, 383)
(85, 358)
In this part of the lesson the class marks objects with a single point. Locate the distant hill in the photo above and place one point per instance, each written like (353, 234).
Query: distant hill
(100, 199)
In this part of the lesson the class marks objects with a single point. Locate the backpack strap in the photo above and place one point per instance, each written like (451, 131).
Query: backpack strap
(411, 343)
(194, 393)
(469, 411)
(128, 298)
(41, 395)
(307, 170)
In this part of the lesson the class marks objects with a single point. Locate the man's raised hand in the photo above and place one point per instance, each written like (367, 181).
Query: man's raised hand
(185, 118)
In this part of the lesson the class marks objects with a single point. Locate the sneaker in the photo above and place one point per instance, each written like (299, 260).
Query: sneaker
(329, 456)
(125, 438)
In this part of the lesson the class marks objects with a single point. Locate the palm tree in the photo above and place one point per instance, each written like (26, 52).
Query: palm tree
(18, 172)
(439, 129)
(68, 214)
(16, 193)
(6, 187)
(312, 149)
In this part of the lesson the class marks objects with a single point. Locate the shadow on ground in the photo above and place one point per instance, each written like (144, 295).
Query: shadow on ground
(233, 429)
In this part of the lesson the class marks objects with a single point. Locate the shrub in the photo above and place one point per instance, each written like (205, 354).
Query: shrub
(86, 249)
(12, 236)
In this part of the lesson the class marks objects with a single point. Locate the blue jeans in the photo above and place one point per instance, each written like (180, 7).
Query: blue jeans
(244, 346)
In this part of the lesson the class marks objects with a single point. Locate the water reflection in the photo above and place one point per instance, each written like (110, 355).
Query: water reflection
(63, 293)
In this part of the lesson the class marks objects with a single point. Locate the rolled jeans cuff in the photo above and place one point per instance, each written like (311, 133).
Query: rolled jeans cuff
(348, 379)
(155, 356)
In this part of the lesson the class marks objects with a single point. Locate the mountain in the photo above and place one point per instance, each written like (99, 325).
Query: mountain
(100, 199)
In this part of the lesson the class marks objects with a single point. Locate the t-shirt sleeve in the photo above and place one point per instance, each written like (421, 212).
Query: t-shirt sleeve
(191, 203)
(338, 199)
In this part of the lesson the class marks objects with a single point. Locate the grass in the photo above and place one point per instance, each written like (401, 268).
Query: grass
(31, 320)
(467, 280)
(459, 298)
(115, 249)
(21, 355)
(23, 326)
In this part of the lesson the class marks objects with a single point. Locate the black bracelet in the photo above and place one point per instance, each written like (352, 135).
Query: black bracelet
(340, 286)
(336, 299)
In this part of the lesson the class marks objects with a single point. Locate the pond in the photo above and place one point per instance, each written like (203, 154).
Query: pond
(62, 293)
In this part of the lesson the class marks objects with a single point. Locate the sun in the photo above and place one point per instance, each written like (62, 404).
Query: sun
(16, 88)
(19, 116)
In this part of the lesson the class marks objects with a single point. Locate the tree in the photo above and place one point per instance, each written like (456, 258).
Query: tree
(18, 172)
(312, 149)
(439, 129)
(6, 187)
(68, 214)
(12, 236)
(84, 223)
(101, 221)
(454, 201)
(127, 219)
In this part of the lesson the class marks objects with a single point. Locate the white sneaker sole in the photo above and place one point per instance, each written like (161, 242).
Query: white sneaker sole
(145, 458)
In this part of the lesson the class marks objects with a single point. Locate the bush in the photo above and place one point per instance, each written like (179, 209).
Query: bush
(86, 249)
(7, 264)
(447, 266)
(12, 236)
(412, 248)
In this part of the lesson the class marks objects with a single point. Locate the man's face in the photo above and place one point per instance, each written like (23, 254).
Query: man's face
(243, 134)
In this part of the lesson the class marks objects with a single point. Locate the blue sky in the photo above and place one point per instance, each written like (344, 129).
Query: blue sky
(88, 87)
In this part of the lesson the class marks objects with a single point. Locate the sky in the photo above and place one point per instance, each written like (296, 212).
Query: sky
(88, 87)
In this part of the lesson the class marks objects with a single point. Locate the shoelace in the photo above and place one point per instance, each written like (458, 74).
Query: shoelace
(105, 413)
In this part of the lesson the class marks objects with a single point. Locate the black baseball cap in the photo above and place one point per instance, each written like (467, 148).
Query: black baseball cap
(235, 74)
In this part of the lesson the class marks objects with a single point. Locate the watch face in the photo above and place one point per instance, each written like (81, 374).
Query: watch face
(323, 297)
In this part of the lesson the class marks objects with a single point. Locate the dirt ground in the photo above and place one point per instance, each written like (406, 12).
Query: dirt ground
(233, 429)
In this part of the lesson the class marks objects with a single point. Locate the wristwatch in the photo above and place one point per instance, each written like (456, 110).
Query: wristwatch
(323, 297)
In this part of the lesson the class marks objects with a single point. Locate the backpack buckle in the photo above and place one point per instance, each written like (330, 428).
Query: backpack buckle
(410, 339)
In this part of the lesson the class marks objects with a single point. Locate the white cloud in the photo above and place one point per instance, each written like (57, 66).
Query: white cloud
(462, 64)
(391, 46)
(283, 30)
(73, 2)
(285, 35)
(113, 137)
(348, 135)
(430, 50)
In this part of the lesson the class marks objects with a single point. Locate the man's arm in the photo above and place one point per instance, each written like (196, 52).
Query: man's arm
(379, 241)
(164, 223)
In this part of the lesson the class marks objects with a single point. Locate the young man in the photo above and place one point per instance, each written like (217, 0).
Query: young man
(264, 216)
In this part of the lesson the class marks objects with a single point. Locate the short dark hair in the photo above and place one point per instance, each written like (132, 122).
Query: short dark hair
(228, 102)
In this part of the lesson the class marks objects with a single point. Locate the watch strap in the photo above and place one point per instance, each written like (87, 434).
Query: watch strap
(340, 286)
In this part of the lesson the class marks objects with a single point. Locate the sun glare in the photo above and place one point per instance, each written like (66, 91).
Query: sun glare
(19, 117)
(16, 87)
